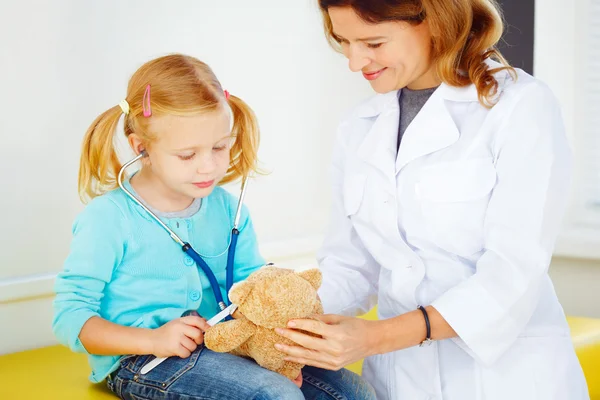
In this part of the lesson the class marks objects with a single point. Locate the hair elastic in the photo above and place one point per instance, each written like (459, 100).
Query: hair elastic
(124, 106)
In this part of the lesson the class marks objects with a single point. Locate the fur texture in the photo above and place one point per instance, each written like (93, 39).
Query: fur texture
(268, 299)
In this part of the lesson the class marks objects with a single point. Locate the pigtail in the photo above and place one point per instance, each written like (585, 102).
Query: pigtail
(244, 157)
(99, 164)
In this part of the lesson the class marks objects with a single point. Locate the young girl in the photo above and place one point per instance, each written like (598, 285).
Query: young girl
(126, 284)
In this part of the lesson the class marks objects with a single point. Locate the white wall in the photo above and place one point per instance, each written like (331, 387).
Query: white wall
(560, 52)
(70, 60)
(576, 284)
(65, 61)
(555, 59)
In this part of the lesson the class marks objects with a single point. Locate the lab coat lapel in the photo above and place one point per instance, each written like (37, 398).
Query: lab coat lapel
(379, 149)
(432, 129)
(379, 145)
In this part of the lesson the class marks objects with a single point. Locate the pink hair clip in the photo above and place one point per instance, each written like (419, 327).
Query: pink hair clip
(226, 94)
(146, 103)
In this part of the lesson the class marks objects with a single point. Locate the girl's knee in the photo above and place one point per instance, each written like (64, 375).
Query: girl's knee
(342, 384)
(365, 391)
(281, 389)
(356, 386)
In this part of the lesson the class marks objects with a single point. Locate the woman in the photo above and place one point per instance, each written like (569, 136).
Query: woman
(449, 189)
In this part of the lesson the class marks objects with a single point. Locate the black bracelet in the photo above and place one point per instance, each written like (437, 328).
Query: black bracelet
(427, 325)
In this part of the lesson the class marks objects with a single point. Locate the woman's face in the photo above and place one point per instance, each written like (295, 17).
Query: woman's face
(390, 55)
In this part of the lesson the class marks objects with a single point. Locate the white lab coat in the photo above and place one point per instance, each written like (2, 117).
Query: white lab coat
(464, 218)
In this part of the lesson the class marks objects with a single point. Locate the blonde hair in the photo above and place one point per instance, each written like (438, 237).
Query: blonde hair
(180, 85)
(464, 33)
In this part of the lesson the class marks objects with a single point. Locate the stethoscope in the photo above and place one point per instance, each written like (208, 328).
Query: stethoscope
(186, 247)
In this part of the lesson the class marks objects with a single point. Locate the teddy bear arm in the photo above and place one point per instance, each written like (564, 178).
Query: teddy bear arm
(290, 369)
(227, 336)
(262, 349)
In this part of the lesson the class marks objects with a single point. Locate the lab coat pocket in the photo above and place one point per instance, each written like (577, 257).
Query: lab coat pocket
(353, 192)
(454, 197)
(558, 373)
(534, 367)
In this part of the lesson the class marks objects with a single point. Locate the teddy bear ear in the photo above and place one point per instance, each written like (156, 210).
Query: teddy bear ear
(240, 291)
(313, 276)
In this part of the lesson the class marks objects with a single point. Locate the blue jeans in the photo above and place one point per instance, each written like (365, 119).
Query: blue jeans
(208, 375)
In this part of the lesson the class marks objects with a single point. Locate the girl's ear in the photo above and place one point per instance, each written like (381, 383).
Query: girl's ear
(135, 142)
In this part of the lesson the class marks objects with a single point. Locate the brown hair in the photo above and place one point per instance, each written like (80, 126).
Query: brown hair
(180, 85)
(464, 33)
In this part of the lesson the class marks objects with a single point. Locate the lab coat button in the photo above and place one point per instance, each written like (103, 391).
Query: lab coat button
(194, 295)
(187, 260)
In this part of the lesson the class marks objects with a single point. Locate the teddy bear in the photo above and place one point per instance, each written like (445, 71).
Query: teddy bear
(268, 299)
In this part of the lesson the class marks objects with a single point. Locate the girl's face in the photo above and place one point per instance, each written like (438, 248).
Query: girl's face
(190, 154)
(391, 55)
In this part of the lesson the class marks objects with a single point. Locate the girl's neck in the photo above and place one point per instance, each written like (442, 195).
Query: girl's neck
(156, 194)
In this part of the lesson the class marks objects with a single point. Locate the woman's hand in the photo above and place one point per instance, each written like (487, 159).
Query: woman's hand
(343, 341)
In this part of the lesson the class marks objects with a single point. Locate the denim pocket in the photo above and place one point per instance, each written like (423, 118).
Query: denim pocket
(124, 360)
(134, 363)
(136, 397)
(165, 374)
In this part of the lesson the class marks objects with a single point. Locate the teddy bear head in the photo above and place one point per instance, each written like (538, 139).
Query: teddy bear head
(272, 296)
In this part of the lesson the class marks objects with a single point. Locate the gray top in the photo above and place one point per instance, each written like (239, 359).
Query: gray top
(411, 102)
(185, 213)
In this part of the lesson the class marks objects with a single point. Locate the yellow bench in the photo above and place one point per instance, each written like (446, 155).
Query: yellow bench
(57, 373)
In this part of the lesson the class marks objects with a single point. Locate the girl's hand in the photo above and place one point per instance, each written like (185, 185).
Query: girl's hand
(344, 341)
(298, 381)
(179, 337)
(237, 314)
